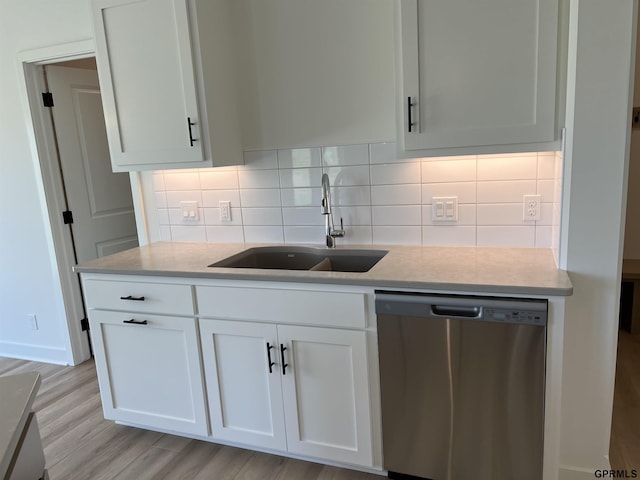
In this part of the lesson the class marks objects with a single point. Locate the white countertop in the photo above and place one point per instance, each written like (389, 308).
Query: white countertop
(17, 393)
(514, 271)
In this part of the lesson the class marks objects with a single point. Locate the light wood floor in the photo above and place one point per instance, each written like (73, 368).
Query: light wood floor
(625, 428)
(80, 445)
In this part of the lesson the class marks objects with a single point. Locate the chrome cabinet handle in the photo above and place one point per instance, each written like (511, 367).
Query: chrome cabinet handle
(133, 321)
(129, 297)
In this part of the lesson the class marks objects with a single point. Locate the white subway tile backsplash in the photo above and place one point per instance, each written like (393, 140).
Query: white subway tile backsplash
(348, 196)
(258, 179)
(174, 198)
(497, 214)
(300, 177)
(182, 181)
(301, 197)
(447, 171)
(261, 160)
(263, 234)
(194, 233)
(508, 191)
(510, 236)
(546, 166)
(212, 198)
(351, 216)
(345, 155)
(546, 190)
(231, 234)
(397, 215)
(465, 191)
(165, 233)
(395, 173)
(262, 216)
(544, 236)
(260, 197)
(217, 179)
(395, 194)
(508, 168)
(161, 199)
(449, 235)
(302, 216)
(275, 198)
(299, 158)
(304, 234)
(348, 176)
(357, 236)
(402, 235)
(158, 181)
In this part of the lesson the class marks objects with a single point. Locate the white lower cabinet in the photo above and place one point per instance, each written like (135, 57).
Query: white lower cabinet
(311, 382)
(244, 390)
(149, 370)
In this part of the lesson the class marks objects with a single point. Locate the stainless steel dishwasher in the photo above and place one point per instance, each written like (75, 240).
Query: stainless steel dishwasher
(462, 381)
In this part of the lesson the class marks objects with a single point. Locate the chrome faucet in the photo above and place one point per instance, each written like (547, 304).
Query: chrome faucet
(330, 230)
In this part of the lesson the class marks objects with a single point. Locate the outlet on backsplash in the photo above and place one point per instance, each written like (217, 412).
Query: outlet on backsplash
(274, 198)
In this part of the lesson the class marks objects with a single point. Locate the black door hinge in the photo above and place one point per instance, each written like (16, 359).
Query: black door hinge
(47, 99)
(84, 323)
(67, 217)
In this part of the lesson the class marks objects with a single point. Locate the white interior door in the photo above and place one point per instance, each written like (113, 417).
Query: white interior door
(104, 221)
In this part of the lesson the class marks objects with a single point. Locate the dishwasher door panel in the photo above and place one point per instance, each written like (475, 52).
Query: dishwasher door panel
(462, 399)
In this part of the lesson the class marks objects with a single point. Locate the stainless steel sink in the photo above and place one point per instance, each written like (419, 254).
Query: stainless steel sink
(304, 258)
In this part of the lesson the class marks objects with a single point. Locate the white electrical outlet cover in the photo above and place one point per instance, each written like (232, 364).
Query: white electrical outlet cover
(531, 208)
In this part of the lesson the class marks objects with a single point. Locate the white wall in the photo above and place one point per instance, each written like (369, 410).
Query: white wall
(29, 282)
(598, 115)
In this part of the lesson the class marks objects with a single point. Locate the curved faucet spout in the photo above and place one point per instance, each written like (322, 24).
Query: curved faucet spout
(330, 231)
(326, 195)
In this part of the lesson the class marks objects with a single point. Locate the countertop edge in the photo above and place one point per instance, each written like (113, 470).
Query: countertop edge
(364, 282)
(26, 404)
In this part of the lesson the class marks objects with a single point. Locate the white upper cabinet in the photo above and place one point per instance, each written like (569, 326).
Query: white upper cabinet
(478, 74)
(155, 95)
(315, 72)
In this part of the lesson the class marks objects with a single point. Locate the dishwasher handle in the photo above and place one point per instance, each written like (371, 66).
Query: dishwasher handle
(456, 311)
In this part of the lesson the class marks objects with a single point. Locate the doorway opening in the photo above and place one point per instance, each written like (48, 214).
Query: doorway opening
(90, 209)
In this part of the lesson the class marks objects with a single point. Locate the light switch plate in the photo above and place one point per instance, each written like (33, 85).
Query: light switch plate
(444, 209)
(190, 212)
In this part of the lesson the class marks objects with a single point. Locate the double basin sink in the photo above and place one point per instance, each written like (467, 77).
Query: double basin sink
(304, 258)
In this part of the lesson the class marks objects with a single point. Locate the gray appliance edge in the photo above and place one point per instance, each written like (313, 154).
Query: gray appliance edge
(462, 386)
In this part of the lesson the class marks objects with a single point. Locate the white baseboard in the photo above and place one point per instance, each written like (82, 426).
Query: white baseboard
(35, 353)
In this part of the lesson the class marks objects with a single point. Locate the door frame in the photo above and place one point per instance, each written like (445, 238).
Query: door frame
(51, 193)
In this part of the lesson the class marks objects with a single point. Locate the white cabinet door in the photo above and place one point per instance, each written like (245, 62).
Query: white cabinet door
(478, 73)
(149, 373)
(326, 394)
(242, 370)
(146, 70)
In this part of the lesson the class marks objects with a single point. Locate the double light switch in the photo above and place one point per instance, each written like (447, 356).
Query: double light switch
(444, 209)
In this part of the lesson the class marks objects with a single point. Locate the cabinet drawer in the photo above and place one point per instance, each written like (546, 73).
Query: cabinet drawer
(282, 306)
(139, 297)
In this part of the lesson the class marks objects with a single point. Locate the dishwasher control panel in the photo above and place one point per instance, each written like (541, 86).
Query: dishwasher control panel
(526, 317)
